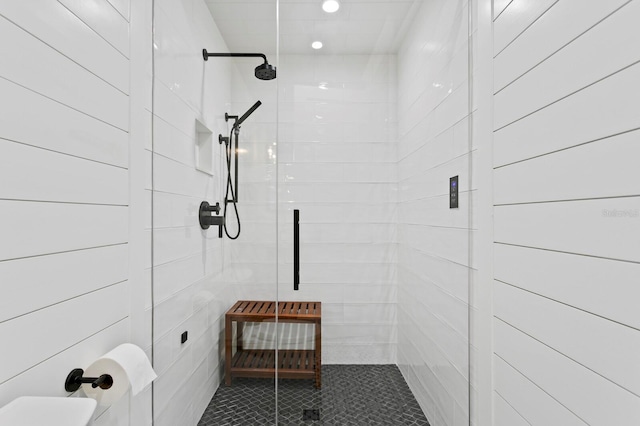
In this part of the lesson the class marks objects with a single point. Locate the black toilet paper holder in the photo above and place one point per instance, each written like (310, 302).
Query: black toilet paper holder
(75, 380)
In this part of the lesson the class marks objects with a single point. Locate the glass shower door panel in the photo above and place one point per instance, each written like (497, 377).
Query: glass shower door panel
(371, 127)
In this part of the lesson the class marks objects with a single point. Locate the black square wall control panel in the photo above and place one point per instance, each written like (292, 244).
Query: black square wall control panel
(453, 192)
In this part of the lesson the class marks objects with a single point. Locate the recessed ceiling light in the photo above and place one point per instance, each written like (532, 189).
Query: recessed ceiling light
(316, 45)
(330, 6)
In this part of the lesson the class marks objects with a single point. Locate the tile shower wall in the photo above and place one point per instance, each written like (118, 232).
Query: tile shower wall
(433, 256)
(337, 164)
(190, 293)
(64, 198)
(250, 260)
(566, 323)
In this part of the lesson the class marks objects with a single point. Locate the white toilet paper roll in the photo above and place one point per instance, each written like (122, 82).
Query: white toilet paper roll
(128, 365)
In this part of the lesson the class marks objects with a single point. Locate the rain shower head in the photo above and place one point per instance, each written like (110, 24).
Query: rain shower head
(263, 72)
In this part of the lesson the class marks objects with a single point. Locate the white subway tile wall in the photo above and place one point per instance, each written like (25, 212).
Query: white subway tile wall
(434, 262)
(191, 291)
(337, 165)
(566, 209)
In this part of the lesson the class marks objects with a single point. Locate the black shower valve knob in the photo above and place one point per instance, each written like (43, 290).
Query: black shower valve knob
(211, 208)
(206, 219)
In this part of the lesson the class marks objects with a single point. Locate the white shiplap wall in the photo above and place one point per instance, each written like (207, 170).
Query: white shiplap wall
(434, 263)
(64, 192)
(567, 212)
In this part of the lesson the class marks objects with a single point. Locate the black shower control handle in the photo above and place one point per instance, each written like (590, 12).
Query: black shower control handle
(207, 220)
(210, 208)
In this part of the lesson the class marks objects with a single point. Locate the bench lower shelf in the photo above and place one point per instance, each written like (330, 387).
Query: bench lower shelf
(292, 364)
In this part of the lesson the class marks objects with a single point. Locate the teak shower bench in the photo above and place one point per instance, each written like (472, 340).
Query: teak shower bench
(292, 364)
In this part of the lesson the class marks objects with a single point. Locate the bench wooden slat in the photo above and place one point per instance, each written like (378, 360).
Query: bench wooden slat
(256, 311)
(241, 306)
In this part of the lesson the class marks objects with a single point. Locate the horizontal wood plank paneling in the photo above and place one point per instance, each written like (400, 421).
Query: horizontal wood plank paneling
(567, 212)
(59, 128)
(573, 332)
(122, 6)
(75, 40)
(515, 19)
(554, 30)
(556, 77)
(586, 116)
(593, 398)
(37, 228)
(499, 6)
(39, 174)
(66, 324)
(582, 227)
(505, 415)
(24, 60)
(51, 373)
(533, 403)
(607, 288)
(104, 19)
(64, 215)
(55, 278)
(605, 168)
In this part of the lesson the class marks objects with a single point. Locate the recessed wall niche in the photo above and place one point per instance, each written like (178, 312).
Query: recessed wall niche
(204, 148)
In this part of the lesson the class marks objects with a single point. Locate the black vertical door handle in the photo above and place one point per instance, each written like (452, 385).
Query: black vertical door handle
(296, 249)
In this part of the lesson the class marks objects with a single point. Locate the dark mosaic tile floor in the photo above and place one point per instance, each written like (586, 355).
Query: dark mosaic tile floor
(350, 395)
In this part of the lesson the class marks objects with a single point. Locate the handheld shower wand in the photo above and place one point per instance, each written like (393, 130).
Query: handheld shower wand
(229, 145)
(235, 129)
(247, 114)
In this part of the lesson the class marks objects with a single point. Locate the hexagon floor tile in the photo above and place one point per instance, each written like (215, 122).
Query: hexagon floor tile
(350, 395)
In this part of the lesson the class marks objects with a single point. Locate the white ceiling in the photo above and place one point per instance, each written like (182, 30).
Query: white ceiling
(358, 27)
